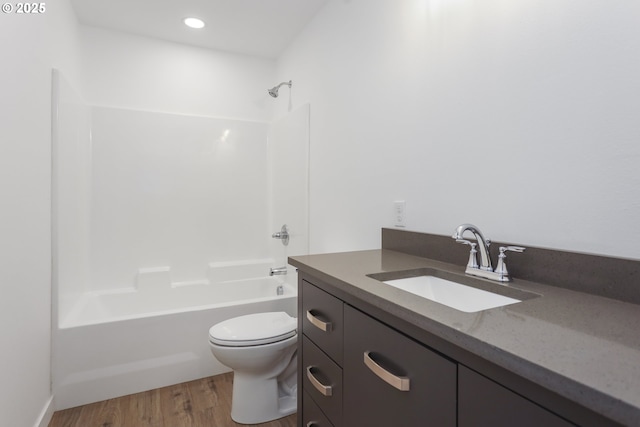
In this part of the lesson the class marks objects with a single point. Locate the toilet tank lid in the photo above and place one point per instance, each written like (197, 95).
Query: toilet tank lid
(256, 327)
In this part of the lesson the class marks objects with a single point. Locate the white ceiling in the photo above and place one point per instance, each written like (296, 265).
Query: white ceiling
(253, 27)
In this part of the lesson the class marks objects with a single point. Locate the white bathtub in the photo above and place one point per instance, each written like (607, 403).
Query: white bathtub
(118, 343)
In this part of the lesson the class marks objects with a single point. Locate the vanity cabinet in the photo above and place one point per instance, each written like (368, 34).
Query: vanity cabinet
(391, 380)
(357, 371)
(312, 415)
(322, 320)
(483, 402)
(321, 343)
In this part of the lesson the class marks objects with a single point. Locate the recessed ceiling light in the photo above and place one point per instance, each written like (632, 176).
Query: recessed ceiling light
(193, 22)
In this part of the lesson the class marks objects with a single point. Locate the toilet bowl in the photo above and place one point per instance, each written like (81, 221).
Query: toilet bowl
(261, 350)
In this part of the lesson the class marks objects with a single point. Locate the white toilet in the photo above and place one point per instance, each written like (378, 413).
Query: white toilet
(261, 350)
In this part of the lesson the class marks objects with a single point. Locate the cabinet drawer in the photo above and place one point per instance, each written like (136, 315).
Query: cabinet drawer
(391, 380)
(322, 379)
(322, 320)
(312, 416)
(484, 402)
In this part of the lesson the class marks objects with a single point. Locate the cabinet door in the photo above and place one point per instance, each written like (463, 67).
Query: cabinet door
(312, 416)
(322, 320)
(322, 380)
(483, 402)
(391, 380)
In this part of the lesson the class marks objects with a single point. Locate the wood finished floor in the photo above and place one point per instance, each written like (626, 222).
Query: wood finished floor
(199, 403)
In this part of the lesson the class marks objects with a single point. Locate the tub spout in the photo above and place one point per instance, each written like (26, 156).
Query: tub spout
(278, 271)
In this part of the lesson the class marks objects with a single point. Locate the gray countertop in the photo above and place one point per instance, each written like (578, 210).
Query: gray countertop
(582, 346)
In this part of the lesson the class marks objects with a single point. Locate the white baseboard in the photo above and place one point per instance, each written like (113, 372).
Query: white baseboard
(47, 413)
(82, 388)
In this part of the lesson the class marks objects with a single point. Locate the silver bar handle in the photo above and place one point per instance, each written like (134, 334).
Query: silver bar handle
(400, 383)
(323, 326)
(325, 390)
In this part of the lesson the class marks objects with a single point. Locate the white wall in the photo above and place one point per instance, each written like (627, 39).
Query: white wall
(31, 45)
(518, 116)
(139, 73)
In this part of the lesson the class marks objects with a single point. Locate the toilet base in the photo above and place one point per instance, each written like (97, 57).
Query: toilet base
(260, 402)
(264, 375)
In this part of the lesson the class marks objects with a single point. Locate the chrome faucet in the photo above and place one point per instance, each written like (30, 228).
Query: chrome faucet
(485, 268)
(278, 271)
(485, 256)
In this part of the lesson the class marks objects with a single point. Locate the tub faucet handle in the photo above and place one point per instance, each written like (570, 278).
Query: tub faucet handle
(283, 235)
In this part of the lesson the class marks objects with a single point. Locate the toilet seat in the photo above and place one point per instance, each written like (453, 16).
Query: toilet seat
(253, 329)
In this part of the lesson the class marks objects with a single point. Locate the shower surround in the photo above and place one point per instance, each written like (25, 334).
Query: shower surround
(162, 227)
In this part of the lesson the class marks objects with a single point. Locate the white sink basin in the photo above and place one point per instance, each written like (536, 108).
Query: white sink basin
(452, 294)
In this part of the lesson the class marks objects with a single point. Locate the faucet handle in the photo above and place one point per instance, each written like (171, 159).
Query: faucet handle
(283, 235)
(512, 249)
(473, 255)
(466, 242)
(501, 268)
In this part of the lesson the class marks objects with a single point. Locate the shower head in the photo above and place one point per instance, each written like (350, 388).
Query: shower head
(274, 90)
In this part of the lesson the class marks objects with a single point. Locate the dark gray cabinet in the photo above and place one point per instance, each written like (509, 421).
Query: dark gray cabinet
(483, 402)
(322, 320)
(391, 380)
(358, 371)
(321, 345)
(312, 415)
(322, 381)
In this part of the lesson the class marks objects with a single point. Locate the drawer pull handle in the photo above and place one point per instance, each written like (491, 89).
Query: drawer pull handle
(312, 423)
(323, 326)
(401, 383)
(325, 390)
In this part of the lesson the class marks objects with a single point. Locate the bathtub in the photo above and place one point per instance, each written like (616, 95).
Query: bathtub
(117, 343)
